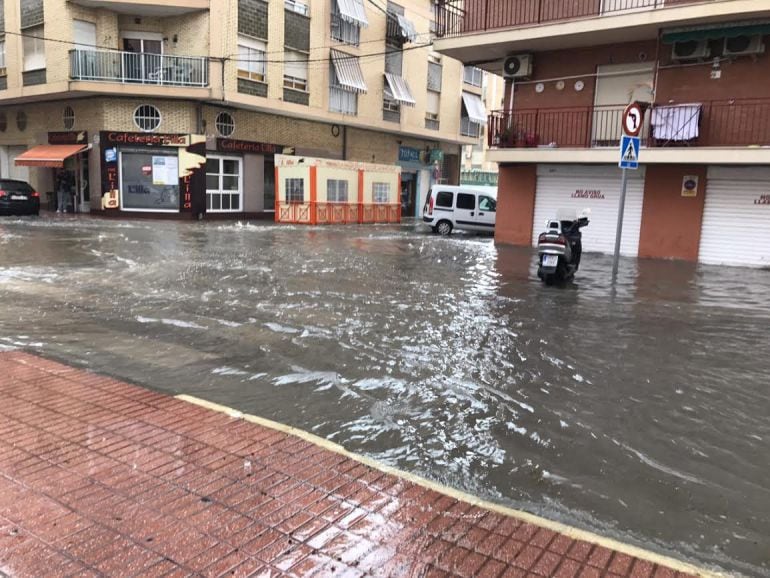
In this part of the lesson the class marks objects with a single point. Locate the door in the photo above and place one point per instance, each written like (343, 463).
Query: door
(465, 211)
(142, 59)
(408, 194)
(569, 190)
(224, 184)
(487, 213)
(617, 85)
(736, 217)
(85, 65)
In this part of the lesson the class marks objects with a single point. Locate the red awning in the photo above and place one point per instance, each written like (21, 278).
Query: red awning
(48, 155)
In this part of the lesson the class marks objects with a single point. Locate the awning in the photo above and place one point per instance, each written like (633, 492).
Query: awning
(408, 31)
(715, 32)
(48, 155)
(348, 70)
(397, 89)
(353, 11)
(475, 108)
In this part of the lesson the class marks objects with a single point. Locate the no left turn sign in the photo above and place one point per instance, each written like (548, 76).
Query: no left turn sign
(633, 118)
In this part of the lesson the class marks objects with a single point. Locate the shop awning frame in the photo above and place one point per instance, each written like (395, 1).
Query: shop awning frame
(398, 89)
(349, 73)
(353, 11)
(475, 108)
(715, 32)
(52, 156)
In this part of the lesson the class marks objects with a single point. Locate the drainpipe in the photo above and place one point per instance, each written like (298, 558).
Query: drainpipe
(344, 142)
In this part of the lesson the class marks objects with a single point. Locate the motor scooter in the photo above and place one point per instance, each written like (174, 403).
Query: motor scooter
(559, 249)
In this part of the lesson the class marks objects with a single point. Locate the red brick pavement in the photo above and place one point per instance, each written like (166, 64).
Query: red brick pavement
(103, 478)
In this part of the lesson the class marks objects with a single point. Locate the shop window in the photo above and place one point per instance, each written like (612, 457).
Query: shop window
(68, 117)
(381, 192)
(147, 117)
(225, 124)
(21, 121)
(223, 184)
(251, 59)
(295, 70)
(337, 191)
(149, 181)
(295, 190)
(33, 48)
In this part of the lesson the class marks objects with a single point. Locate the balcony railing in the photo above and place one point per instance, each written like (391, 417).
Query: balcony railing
(138, 68)
(717, 123)
(483, 15)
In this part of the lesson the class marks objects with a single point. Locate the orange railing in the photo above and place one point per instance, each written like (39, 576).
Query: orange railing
(322, 213)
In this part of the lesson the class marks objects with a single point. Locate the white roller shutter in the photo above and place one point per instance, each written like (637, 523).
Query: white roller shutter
(594, 187)
(736, 211)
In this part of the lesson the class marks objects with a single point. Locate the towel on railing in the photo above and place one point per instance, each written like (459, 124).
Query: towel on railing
(677, 122)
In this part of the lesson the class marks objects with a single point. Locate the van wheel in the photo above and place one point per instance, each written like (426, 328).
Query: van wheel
(444, 228)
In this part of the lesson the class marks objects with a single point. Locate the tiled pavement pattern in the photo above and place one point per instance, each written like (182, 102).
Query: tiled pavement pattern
(103, 478)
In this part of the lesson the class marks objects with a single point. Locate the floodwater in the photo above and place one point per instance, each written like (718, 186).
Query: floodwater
(640, 413)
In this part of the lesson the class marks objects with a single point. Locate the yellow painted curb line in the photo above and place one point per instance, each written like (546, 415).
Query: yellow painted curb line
(569, 531)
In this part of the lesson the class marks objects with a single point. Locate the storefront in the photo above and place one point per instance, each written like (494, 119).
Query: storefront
(160, 174)
(597, 188)
(417, 176)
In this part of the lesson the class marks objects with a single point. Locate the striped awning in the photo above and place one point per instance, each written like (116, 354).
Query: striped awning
(52, 156)
(353, 11)
(408, 31)
(397, 89)
(349, 74)
(475, 108)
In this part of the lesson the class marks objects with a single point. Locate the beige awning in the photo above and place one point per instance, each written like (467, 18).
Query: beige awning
(349, 74)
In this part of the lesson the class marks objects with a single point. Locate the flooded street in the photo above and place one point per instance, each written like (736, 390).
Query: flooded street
(640, 413)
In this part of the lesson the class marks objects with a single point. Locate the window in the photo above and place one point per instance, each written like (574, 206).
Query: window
(295, 190)
(432, 108)
(21, 121)
(68, 117)
(147, 117)
(342, 29)
(434, 76)
(394, 60)
(381, 192)
(473, 76)
(336, 191)
(341, 99)
(466, 201)
(296, 6)
(295, 70)
(251, 59)
(3, 69)
(149, 181)
(223, 184)
(33, 47)
(487, 204)
(225, 124)
(445, 199)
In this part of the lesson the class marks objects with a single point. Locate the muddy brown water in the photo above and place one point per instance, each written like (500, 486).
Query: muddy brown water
(639, 412)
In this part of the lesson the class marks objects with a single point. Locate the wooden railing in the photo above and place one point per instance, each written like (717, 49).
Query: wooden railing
(322, 213)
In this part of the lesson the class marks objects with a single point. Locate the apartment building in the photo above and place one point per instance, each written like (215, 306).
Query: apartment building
(178, 108)
(700, 68)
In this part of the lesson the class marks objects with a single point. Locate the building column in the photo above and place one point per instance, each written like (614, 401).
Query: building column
(515, 204)
(671, 215)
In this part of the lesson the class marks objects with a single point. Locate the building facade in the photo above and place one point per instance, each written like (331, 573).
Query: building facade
(700, 69)
(181, 106)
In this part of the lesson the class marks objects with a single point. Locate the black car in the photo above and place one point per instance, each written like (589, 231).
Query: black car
(18, 198)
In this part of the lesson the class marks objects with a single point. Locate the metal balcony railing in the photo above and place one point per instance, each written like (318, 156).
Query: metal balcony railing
(138, 68)
(717, 123)
(481, 15)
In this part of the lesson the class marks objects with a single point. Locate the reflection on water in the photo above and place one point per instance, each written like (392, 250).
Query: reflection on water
(639, 412)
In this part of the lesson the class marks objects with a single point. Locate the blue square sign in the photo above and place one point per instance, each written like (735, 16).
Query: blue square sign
(629, 152)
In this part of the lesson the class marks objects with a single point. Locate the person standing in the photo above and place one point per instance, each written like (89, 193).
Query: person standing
(62, 195)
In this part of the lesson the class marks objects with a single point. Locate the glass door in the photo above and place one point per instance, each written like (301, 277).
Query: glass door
(143, 59)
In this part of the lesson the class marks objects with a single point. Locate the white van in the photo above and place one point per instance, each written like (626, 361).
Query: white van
(449, 208)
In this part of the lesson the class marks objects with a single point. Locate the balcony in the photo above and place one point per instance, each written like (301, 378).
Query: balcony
(139, 68)
(147, 7)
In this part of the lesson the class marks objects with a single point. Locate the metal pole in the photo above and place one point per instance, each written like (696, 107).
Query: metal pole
(619, 231)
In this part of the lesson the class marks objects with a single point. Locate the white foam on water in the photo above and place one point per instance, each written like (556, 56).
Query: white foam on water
(278, 328)
(226, 370)
(172, 322)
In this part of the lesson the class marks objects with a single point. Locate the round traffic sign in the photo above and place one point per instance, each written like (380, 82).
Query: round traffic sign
(633, 118)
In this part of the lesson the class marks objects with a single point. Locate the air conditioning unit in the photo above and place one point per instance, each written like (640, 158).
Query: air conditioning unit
(518, 66)
(742, 45)
(690, 50)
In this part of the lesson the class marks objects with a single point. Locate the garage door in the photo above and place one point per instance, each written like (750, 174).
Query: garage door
(575, 188)
(736, 217)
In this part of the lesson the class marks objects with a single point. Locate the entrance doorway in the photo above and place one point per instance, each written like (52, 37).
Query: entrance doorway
(408, 194)
(142, 57)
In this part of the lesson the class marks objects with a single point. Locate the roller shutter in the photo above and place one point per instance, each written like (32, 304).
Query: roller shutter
(594, 187)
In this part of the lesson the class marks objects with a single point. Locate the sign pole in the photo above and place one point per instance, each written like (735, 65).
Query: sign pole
(619, 230)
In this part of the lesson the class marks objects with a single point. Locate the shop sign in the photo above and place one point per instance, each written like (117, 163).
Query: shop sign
(588, 194)
(408, 155)
(690, 186)
(67, 138)
(111, 155)
(762, 200)
(144, 139)
(229, 145)
(436, 156)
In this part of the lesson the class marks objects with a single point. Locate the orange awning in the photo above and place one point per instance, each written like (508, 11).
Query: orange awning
(48, 155)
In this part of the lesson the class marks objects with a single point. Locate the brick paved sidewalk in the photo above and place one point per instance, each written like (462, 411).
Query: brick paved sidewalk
(102, 478)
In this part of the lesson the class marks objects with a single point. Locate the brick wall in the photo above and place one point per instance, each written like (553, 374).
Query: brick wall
(31, 13)
(252, 18)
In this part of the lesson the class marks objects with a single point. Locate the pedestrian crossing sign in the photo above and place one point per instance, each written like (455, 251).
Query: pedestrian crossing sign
(629, 152)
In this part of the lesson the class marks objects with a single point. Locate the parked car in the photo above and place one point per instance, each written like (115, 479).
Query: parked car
(18, 198)
(450, 207)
